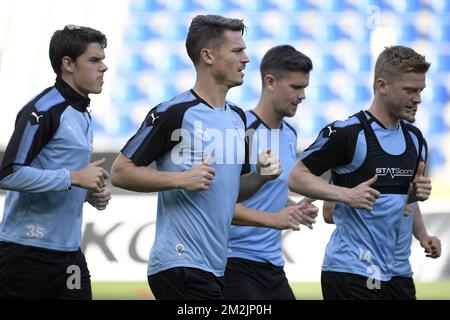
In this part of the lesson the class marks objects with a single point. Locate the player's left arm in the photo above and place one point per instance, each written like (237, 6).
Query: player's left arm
(99, 200)
(309, 210)
(268, 167)
(420, 189)
(431, 244)
(421, 185)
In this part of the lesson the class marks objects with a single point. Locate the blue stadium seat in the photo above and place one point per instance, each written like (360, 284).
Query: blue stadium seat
(402, 6)
(324, 93)
(246, 95)
(407, 32)
(181, 5)
(172, 67)
(362, 93)
(328, 62)
(439, 93)
(219, 6)
(138, 6)
(364, 62)
(172, 91)
(294, 5)
(126, 125)
(359, 62)
(287, 31)
(134, 62)
(97, 126)
(443, 63)
(319, 122)
(332, 5)
(329, 32)
(437, 125)
(363, 5)
(254, 5)
(253, 65)
(171, 62)
(255, 32)
(360, 33)
(138, 32)
(436, 157)
(297, 33)
(171, 30)
(440, 32)
(128, 93)
(440, 6)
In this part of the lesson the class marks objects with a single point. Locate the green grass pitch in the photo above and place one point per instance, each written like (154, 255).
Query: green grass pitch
(303, 290)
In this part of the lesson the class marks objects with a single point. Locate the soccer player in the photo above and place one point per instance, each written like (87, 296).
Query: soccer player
(374, 156)
(197, 140)
(255, 264)
(401, 285)
(48, 171)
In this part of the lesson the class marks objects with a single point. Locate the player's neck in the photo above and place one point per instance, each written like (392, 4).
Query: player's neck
(380, 112)
(268, 115)
(69, 80)
(210, 91)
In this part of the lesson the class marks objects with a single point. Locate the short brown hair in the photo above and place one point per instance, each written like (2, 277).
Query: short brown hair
(397, 60)
(284, 58)
(72, 41)
(207, 30)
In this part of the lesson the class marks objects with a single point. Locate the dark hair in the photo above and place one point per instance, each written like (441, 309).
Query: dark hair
(285, 58)
(207, 31)
(72, 41)
(397, 60)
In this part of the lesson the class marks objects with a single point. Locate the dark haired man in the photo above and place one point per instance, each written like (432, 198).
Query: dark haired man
(197, 140)
(48, 171)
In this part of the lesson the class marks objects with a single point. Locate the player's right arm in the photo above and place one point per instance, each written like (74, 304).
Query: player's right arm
(303, 181)
(127, 175)
(333, 148)
(289, 217)
(152, 141)
(31, 134)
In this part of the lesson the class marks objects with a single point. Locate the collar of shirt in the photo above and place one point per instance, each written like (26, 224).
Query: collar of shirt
(75, 99)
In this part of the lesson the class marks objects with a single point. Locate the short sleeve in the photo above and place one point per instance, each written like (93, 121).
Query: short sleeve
(333, 147)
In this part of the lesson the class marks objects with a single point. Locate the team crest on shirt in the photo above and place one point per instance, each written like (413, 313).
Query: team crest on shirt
(179, 248)
(36, 117)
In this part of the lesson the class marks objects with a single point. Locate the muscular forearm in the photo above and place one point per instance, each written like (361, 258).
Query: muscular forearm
(309, 185)
(250, 183)
(126, 175)
(419, 229)
(244, 216)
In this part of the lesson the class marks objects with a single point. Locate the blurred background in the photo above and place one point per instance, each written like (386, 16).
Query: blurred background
(148, 64)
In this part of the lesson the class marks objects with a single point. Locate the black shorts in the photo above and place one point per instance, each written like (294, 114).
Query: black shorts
(350, 286)
(28, 272)
(401, 288)
(182, 283)
(252, 280)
